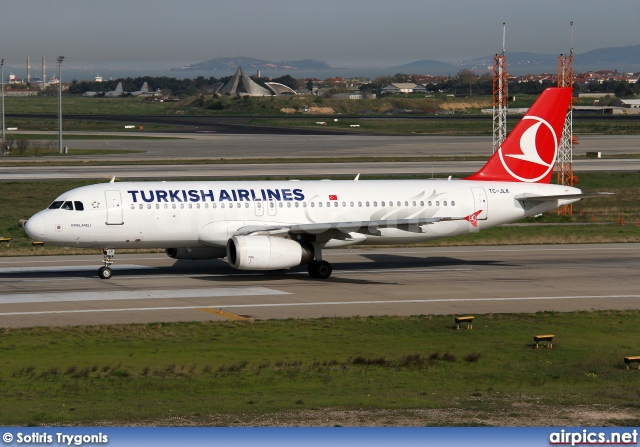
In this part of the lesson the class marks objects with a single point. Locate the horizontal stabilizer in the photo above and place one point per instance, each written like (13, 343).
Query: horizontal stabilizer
(533, 198)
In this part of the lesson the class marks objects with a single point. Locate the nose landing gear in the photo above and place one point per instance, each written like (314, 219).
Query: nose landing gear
(105, 272)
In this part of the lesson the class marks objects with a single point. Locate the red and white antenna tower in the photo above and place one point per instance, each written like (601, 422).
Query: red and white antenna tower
(500, 95)
(565, 149)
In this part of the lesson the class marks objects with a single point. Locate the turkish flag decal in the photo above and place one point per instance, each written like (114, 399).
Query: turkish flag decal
(332, 197)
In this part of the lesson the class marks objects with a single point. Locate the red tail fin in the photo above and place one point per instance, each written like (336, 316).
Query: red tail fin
(529, 152)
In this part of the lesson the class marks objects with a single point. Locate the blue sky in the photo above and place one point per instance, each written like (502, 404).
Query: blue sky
(345, 33)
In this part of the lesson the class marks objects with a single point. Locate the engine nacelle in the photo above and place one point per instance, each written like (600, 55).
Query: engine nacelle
(266, 253)
(196, 253)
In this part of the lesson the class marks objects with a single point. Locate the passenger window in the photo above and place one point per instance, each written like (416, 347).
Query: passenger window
(157, 206)
(429, 202)
(272, 205)
(335, 204)
(140, 206)
(182, 206)
(319, 204)
(231, 205)
(297, 204)
(406, 203)
(67, 206)
(421, 203)
(222, 205)
(149, 206)
(351, 204)
(215, 205)
(288, 204)
(304, 204)
(437, 203)
(190, 205)
(166, 206)
(206, 205)
(55, 205)
(173, 205)
(198, 205)
(414, 203)
(133, 207)
(399, 204)
(375, 204)
(444, 203)
(367, 203)
(453, 203)
(359, 204)
(79, 206)
(246, 205)
(280, 205)
(381, 203)
(313, 204)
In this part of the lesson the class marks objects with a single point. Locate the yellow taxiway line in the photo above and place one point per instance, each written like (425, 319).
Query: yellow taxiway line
(224, 314)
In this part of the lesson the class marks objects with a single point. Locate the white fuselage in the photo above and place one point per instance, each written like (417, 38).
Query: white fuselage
(207, 214)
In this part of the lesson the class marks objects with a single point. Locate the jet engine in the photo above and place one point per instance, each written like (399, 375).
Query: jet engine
(196, 253)
(266, 253)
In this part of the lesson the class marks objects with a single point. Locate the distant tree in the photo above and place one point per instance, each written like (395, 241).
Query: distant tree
(401, 77)
(22, 144)
(289, 81)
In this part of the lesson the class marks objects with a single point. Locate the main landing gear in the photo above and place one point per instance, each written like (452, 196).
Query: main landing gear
(105, 272)
(318, 268)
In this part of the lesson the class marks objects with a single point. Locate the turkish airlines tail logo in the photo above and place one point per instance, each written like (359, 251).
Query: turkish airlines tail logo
(529, 152)
(473, 218)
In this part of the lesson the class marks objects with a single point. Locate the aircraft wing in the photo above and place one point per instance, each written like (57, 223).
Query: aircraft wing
(365, 227)
(534, 198)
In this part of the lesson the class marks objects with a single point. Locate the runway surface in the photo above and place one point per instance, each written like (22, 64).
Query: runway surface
(278, 170)
(65, 290)
(213, 145)
(199, 146)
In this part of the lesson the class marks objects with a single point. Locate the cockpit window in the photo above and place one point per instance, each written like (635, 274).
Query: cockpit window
(79, 206)
(68, 205)
(55, 205)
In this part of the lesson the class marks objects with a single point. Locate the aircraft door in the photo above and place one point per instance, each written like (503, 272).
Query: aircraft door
(480, 202)
(114, 208)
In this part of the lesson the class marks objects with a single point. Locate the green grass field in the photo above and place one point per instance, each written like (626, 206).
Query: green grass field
(125, 374)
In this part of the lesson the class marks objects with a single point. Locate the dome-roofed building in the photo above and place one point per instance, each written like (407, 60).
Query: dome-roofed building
(242, 85)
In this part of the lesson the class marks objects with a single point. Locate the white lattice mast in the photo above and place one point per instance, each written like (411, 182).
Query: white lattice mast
(500, 95)
(565, 149)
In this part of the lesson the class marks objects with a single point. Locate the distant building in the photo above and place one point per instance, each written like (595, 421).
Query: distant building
(354, 95)
(399, 87)
(242, 85)
(280, 89)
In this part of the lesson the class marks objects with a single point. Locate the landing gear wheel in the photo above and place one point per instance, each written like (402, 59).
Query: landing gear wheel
(319, 269)
(105, 272)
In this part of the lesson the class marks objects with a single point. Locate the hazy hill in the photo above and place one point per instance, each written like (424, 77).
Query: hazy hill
(225, 65)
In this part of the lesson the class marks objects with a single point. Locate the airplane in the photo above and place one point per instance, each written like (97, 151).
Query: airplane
(143, 91)
(273, 225)
(90, 93)
(115, 93)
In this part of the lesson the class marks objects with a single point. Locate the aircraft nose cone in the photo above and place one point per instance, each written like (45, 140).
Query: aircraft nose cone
(35, 227)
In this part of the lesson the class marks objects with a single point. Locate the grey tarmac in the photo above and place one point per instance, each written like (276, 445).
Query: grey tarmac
(65, 290)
